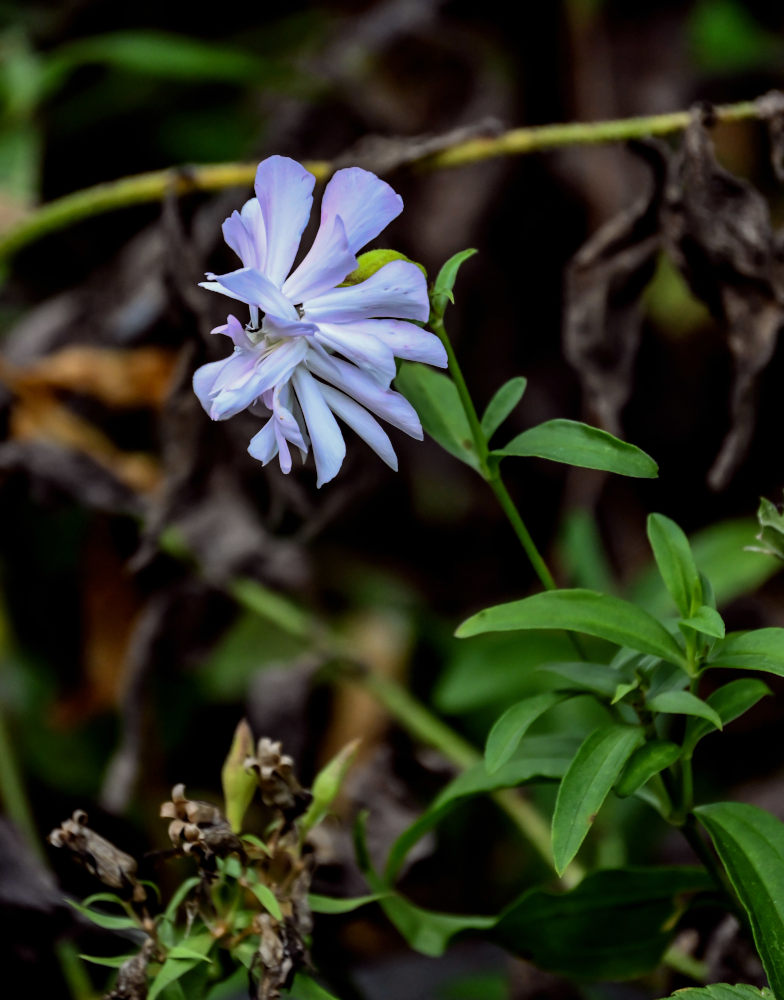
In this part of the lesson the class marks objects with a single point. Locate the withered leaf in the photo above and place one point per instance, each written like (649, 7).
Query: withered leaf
(718, 230)
(603, 284)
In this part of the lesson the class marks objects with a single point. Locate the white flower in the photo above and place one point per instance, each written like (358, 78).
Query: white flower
(314, 351)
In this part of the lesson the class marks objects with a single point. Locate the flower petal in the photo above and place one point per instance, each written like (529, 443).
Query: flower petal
(204, 379)
(405, 340)
(329, 448)
(284, 419)
(361, 422)
(277, 366)
(254, 224)
(385, 403)
(327, 263)
(255, 288)
(364, 202)
(236, 331)
(239, 239)
(398, 289)
(285, 192)
(364, 350)
(264, 445)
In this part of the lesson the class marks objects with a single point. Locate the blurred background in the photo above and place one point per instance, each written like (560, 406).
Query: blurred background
(128, 651)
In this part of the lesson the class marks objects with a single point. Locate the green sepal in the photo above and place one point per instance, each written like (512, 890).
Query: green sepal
(441, 292)
(373, 260)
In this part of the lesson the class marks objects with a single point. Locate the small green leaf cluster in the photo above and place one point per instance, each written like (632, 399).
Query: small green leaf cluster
(245, 915)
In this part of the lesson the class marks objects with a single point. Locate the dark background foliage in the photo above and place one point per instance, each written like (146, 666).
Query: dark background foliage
(126, 663)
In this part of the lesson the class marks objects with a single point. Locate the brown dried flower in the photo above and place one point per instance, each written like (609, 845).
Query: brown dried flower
(99, 856)
(199, 828)
(277, 782)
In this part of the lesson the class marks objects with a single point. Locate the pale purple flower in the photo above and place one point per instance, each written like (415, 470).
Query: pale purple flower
(313, 351)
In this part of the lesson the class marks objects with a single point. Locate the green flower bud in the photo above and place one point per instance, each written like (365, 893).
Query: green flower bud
(373, 261)
(238, 785)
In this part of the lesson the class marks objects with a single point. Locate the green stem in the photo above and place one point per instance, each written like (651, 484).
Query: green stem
(154, 186)
(17, 808)
(401, 705)
(524, 536)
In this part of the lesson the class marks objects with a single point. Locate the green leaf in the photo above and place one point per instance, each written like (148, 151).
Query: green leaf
(267, 898)
(305, 988)
(504, 737)
(110, 963)
(585, 786)
(750, 845)
(723, 991)
(178, 897)
(108, 921)
(161, 54)
(427, 931)
(762, 649)
(597, 678)
(672, 553)
(539, 758)
(730, 702)
(175, 968)
(183, 951)
(771, 537)
(616, 924)
(502, 404)
(601, 615)
(329, 904)
(574, 443)
(238, 784)
(105, 897)
(683, 703)
(706, 621)
(720, 554)
(441, 294)
(726, 38)
(435, 398)
(647, 760)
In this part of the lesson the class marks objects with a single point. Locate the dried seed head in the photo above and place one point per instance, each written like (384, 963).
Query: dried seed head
(277, 781)
(99, 856)
(199, 828)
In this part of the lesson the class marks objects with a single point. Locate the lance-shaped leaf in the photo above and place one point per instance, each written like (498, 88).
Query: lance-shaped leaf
(505, 735)
(762, 649)
(578, 610)
(502, 404)
(434, 397)
(539, 758)
(585, 786)
(705, 620)
(441, 293)
(684, 703)
(644, 763)
(616, 924)
(750, 845)
(331, 904)
(574, 443)
(673, 556)
(730, 702)
(723, 991)
(597, 678)
(175, 968)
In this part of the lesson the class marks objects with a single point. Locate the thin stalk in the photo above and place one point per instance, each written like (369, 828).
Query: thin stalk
(491, 475)
(155, 185)
(17, 808)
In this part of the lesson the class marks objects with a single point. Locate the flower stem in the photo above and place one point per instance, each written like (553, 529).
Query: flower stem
(513, 515)
(155, 185)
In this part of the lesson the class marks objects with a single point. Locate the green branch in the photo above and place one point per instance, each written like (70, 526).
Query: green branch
(154, 186)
